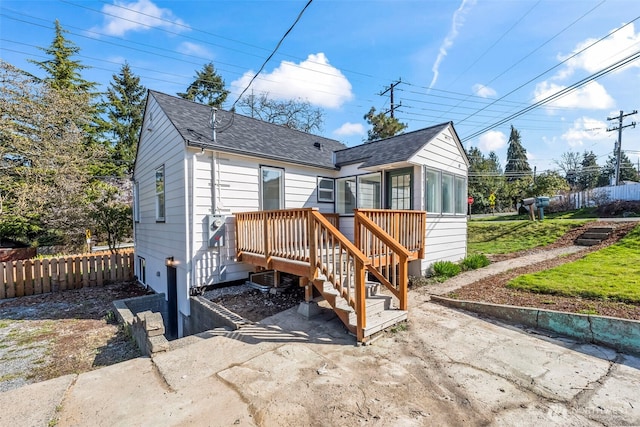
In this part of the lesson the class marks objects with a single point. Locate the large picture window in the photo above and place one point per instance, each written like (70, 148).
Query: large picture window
(445, 193)
(271, 188)
(160, 194)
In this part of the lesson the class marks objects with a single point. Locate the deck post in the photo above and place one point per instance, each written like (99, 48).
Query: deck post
(361, 307)
(404, 281)
(313, 249)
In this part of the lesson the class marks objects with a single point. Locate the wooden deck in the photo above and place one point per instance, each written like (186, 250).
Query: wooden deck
(305, 243)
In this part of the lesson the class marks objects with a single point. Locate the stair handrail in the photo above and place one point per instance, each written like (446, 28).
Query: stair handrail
(361, 263)
(403, 253)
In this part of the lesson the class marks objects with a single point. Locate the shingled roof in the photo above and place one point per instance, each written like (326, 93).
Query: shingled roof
(399, 148)
(239, 134)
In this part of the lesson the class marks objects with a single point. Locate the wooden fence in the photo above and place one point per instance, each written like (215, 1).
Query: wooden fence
(38, 276)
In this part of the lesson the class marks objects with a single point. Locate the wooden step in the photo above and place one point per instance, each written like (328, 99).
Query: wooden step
(383, 320)
(595, 235)
(600, 230)
(588, 242)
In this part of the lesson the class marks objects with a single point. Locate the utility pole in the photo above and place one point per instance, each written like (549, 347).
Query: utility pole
(390, 90)
(617, 151)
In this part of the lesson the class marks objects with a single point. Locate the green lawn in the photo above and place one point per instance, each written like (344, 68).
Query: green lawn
(586, 213)
(612, 273)
(511, 236)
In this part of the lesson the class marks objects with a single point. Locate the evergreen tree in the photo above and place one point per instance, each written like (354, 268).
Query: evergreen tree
(589, 171)
(517, 164)
(383, 126)
(125, 108)
(208, 88)
(628, 171)
(485, 178)
(63, 72)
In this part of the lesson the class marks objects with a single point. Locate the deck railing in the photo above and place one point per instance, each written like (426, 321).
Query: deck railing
(406, 227)
(307, 235)
(389, 259)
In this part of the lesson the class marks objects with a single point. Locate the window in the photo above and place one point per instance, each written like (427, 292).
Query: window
(160, 200)
(271, 188)
(370, 191)
(136, 202)
(399, 195)
(433, 196)
(325, 189)
(142, 270)
(447, 194)
(345, 195)
(461, 195)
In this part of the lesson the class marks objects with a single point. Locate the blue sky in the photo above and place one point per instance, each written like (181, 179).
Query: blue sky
(473, 62)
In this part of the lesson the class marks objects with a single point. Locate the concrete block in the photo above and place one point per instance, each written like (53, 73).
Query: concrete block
(157, 344)
(569, 324)
(153, 324)
(308, 309)
(519, 315)
(620, 334)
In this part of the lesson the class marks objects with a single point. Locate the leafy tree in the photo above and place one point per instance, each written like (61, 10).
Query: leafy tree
(383, 126)
(293, 113)
(517, 165)
(589, 171)
(485, 178)
(125, 108)
(570, 164)
(43, 155)
(548, 184)
(112, 217)
(207, 88)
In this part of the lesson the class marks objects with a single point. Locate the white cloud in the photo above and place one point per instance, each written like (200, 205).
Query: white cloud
(619, 45)
(195, 49)
(456, 23)
(584, 129)
(483, 91)
(492, 141)
(140, 15)
(313, 80)
(592, 96)
(349, 129)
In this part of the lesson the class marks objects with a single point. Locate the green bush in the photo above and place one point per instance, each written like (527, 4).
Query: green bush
(475, 261)
(445, 269)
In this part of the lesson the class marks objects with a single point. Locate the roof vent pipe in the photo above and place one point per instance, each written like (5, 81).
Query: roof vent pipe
(318, 145)
(213, 123)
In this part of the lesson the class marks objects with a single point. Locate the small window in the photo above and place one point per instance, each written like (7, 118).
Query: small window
(461, 195)
(136, 202)
(346, 195)
(325, 190)
(142, 270)
(160, 199)
(370, 191)
(448, 195)
(433, 196)
(271, 188)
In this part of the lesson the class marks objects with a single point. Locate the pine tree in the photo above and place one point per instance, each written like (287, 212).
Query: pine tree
(383, 126)
(125, 108)
(589, 171)
(208, 88)
(517, 164)
(63, 72)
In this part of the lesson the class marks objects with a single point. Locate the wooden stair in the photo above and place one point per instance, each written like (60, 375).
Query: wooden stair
(594, 236)
(380, 312)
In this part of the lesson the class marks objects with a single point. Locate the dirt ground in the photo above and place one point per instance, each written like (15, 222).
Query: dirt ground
(50, 335)
(494, 290)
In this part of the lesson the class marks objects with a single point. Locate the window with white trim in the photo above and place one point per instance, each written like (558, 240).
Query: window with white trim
(271, 188)
(142, 270)
(445, 193)
(160, 194)
(325, 189)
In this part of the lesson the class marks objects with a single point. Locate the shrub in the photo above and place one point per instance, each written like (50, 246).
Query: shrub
(475, 261)
(445, 269)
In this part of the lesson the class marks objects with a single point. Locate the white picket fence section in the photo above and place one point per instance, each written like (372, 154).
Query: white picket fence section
(593, 196)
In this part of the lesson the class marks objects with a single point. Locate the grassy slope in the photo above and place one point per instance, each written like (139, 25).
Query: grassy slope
(611, 273)
(511, 236)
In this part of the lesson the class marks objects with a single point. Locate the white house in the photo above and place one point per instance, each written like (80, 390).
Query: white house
(192, 176)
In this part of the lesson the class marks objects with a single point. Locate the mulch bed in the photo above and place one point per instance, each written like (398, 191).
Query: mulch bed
(493, 289)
